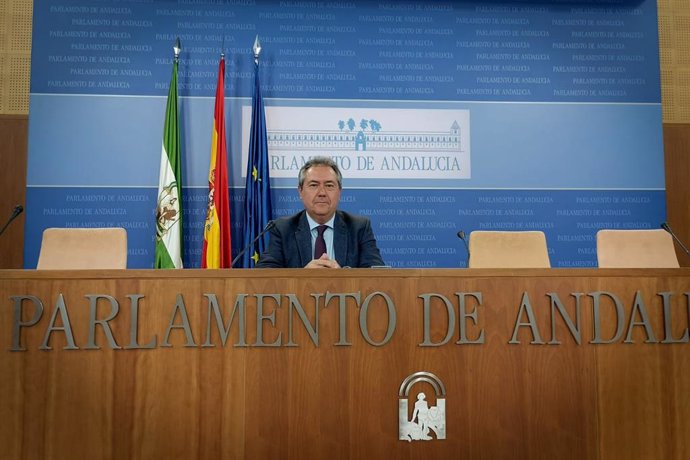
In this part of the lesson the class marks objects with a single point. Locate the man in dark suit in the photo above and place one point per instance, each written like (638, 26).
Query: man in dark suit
(321, 236)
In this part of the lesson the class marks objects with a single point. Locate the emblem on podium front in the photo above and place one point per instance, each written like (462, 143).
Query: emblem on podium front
(417, 419)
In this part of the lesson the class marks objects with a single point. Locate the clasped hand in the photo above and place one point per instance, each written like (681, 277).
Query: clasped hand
(323, 262)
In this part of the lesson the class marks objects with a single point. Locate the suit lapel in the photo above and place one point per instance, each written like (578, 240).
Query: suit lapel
(303, 237)
(340, 239)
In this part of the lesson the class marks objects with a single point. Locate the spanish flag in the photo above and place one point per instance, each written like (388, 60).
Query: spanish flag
(217, 252)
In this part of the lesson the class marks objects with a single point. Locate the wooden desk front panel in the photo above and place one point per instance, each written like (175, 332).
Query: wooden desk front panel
(503, 400)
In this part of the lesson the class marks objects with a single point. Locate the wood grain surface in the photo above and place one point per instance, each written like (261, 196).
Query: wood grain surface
(200, 399)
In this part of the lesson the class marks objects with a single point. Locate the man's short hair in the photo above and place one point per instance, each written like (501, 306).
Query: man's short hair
(320, 161)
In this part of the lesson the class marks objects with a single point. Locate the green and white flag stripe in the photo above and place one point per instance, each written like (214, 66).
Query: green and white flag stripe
(169, 210)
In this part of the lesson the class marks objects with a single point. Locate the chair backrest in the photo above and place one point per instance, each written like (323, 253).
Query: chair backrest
(83, 248)
(636, 249)
(490, 249)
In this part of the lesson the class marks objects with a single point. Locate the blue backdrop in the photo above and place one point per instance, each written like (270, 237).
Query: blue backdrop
(444, 116)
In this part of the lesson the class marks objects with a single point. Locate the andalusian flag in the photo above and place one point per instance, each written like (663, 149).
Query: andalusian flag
(169, 211)
(257, 205)
(216, 252)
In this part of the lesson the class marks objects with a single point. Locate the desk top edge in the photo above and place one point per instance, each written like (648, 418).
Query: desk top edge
(201, 274)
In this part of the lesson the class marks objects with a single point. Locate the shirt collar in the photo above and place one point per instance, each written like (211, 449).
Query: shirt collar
(313, 224)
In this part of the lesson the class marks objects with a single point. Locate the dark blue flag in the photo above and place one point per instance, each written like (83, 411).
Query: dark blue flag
(258, 210)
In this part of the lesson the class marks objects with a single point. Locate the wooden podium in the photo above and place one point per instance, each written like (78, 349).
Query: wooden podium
(309, 364)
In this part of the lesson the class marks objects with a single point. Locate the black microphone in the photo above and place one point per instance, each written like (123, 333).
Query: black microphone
(15, 212)
(268, 226)
(666, 227)
(461, 235)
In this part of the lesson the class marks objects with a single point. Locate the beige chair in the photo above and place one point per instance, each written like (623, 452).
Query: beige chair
(636, 249)
(83, 248)
(490, 249)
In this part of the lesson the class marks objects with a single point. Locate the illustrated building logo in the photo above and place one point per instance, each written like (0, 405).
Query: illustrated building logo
(368, 137)
(424, 420)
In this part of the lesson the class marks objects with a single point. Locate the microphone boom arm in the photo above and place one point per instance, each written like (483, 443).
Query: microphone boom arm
(667, 227)
(15, 212)
(268, 226)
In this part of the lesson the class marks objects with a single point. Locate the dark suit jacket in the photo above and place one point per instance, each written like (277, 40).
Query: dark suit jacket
(290, 242)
